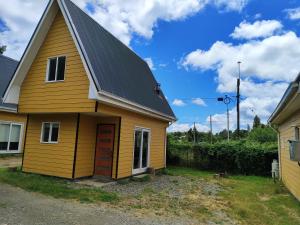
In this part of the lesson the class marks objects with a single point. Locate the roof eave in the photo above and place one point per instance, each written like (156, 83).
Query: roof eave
(132, 106)
(289, 93)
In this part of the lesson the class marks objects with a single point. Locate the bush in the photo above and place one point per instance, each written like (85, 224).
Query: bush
(238, 157)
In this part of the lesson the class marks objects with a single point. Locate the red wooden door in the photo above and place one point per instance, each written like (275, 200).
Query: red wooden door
(104, 150)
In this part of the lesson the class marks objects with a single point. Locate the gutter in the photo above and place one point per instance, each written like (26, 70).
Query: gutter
(291, 90)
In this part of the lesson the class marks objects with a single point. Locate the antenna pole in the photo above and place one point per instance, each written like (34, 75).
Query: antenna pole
(238, 100)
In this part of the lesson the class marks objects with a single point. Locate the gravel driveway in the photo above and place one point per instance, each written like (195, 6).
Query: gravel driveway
(18, 207)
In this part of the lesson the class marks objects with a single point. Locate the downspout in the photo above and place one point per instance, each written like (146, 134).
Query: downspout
(279, 148)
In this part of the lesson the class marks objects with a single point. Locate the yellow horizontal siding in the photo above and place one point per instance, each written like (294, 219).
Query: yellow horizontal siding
(50, 159)
(129, 121)
(290, 170)
(85, 146)
(71, 95)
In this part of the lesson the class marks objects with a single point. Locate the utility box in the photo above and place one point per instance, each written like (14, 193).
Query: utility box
(294, 150)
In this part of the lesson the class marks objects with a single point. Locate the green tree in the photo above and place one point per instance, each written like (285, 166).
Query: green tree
(2, 49)
(256, 122)
(262, 135)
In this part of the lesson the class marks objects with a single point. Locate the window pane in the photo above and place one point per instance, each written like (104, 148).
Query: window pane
(54, 134)
(14, 137)
(52, 69)
(297, 133)
(4, 135)
(137, 147)
(145, 148)
(46, 131)
(61, 68)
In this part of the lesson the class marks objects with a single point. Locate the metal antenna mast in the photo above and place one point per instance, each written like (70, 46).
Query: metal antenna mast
(238, 100)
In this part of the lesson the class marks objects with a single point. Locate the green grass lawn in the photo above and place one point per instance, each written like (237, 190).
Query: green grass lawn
(55, 187)
(252, 199)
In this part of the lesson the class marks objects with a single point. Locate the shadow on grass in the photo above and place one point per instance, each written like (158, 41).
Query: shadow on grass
(55, 187)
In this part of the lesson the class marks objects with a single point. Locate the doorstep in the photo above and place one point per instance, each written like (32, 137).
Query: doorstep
(97, 182)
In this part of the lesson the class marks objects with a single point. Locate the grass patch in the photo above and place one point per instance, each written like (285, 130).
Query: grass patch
(257, 200)
(182, 171)
(251, 199)
(55, 187)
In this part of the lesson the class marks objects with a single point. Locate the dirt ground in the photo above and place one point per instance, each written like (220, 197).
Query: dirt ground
(10, 162)
(18, 207)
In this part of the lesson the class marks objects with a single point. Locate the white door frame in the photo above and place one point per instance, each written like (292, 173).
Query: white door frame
(141, 169)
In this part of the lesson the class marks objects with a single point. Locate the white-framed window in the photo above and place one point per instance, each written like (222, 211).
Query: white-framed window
(50, 132)
(10, 137)
(56, 69)
(141, 150)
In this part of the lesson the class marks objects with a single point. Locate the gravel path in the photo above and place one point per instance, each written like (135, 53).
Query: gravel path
(18, 207)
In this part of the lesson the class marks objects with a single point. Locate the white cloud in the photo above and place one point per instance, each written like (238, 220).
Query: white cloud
(178, 102)
(121, 18)
(257, 16)
(293, 14)
(259, 29)
(150, 63)
(198, 101)
(183, 127)
(231, 5)
(267, 67)
(20, 25)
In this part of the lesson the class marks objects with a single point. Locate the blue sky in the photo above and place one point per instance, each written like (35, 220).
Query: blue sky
(194, 47)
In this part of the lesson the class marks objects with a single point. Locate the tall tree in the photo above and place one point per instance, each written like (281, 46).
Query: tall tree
(256, 122)
(2, 49)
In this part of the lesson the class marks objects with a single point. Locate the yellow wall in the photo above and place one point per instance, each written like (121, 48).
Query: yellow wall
(129, 121)
(71, 95)
(87, 142)
(17, 118)
(50, 159)
(290, 170)
(85, 147)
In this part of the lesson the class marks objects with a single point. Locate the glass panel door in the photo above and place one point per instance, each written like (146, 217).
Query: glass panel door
(145, 149)
(141, 150)
(14, 137)
(4, 136)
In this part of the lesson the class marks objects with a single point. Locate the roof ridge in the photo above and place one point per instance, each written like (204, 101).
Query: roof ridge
(9, 58)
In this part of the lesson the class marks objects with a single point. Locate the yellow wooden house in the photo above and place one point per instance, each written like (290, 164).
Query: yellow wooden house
(93, 105)
(12, 124)
(287, 118)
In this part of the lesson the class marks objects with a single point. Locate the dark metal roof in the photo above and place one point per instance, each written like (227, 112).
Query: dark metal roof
(116, 69)
(7, 69)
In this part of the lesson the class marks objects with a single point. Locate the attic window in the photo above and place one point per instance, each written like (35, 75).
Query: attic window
(56, 69)
(157, 89)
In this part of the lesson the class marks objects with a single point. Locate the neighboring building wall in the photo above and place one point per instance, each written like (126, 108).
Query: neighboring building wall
(129, 121)
(290, 170)
(15, 118)
(70, 95)
(50, 159)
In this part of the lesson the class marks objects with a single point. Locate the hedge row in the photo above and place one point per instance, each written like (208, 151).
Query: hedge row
(233, 157)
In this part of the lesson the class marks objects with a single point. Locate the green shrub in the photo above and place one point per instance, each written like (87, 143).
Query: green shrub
(239, 157)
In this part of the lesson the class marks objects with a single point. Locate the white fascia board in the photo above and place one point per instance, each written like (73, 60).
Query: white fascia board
(13, 91)
(131, 106)
(79, 46)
